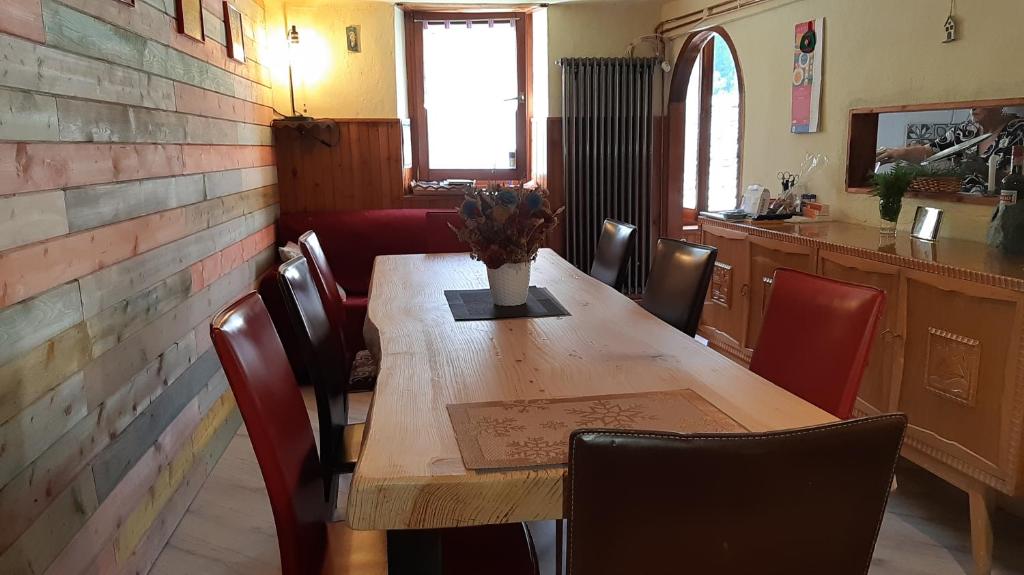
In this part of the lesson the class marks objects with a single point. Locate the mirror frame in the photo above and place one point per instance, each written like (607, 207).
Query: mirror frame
(862, 133)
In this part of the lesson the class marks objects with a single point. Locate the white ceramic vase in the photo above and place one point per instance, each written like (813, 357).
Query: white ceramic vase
(510, 284)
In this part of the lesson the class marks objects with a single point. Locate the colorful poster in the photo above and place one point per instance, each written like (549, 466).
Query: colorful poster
(807, 64)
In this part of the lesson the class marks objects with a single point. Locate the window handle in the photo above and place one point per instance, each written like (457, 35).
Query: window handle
(521, 98)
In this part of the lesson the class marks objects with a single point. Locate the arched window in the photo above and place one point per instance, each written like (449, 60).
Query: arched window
(705, 128)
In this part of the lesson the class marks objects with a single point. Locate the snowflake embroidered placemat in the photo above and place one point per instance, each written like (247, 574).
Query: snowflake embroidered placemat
(527, 433)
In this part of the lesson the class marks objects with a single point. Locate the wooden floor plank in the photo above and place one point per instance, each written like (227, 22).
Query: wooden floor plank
(229, 528)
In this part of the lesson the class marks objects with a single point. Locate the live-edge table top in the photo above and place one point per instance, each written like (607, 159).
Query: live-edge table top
(410, 472)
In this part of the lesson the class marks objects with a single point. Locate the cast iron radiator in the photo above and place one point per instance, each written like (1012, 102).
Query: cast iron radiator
(607, 152)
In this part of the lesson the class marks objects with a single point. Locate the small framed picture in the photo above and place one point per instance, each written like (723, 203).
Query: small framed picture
(190, 19)
(233, 27)
(352, 39)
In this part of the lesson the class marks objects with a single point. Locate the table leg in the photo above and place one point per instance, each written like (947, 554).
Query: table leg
(559, 546)
(414, 552)
(982, 504)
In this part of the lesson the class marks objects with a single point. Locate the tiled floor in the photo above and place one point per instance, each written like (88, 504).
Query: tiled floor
(229, 528)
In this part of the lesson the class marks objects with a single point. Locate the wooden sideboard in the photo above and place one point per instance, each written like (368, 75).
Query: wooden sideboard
(949, 352)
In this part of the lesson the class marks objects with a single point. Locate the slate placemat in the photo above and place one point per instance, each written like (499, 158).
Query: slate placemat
(476, 305)
(527, 433)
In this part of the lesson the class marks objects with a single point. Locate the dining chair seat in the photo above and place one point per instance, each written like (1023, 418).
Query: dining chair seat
(614, 252)
(678, 283)
(275, 417)
(816, 338)
(804, 501)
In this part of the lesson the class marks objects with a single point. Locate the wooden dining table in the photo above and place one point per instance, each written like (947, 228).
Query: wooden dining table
(410, 473)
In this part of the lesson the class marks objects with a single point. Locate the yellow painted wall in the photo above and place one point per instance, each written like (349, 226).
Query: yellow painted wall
(331, 81)
(877, 52)
(594, 29)
(334, 83)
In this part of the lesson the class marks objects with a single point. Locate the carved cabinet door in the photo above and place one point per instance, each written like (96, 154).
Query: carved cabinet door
(724, 317)
(765, 257)
(879, 387)
(961, 383)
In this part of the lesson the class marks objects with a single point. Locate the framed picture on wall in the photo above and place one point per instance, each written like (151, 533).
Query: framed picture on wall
(233, 26)
(190, 19)
(352, 39)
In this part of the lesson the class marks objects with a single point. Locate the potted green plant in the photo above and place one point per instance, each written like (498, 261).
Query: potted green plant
(505, 227)
(889, 188)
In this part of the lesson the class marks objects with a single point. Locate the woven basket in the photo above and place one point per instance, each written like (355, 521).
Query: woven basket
(936, 185)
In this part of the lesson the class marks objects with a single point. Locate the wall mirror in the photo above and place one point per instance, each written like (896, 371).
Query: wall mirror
(951, 144)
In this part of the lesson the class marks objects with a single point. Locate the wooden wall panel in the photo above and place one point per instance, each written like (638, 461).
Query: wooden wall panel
(94, 206)
(25, 116)
(22, 18)
(136, 168)
(39, 68)
(361, 169)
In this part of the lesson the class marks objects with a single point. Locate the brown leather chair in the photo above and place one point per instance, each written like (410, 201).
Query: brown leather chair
(799, 502)
(678, 283)
(614, 252)
(322, 352)
(278, 425)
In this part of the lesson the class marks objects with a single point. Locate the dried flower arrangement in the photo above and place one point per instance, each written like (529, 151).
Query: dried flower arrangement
(505, 225)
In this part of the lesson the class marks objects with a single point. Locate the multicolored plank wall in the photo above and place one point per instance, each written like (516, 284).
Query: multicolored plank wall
(138, 194)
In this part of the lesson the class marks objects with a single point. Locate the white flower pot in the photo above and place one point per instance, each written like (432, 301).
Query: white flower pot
(510, 284)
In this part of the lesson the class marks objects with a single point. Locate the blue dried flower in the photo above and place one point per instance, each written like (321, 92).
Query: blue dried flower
(470, 209)
(508, 198)
(534, 201)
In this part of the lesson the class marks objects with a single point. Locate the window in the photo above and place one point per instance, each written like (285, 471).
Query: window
(468, 92)
(706, 124)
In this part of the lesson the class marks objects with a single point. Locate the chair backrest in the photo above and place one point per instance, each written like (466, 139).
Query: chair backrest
(614, 252)
(269, 288)
(800, 501)
(326, 284)
(816, 338)
(278, 425)
(328, 366)
(678, 283)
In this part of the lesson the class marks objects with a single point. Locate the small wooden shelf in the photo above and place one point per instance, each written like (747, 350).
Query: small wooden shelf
(952, 198)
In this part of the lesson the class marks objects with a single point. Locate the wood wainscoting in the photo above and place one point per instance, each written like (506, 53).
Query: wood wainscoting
(346, 164)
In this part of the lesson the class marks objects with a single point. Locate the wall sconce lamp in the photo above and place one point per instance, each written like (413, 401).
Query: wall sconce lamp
(293, 43)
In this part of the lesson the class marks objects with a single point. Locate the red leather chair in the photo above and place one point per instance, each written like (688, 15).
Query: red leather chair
(325, 282)
(323, 355)
(330, 295)
(816, 338)
(798, 502)
(278, 425)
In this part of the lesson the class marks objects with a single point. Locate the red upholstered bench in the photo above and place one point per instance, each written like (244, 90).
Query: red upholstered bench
(352, 239)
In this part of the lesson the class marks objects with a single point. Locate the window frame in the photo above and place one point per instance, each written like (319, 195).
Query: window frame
(698, 49)
(421, 169)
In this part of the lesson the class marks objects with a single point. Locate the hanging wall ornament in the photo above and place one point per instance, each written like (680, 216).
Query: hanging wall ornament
(950, 25)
